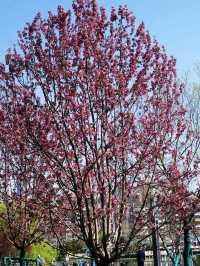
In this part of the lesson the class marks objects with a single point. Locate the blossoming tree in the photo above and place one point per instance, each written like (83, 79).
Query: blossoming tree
(97, 98)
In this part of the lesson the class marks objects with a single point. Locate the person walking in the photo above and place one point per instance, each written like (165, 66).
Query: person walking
(141, 256)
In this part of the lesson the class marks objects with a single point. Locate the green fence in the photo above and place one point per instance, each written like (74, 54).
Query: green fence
(15, 261)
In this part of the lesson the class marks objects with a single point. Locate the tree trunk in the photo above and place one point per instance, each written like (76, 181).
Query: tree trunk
(187, 252)
(22, 256)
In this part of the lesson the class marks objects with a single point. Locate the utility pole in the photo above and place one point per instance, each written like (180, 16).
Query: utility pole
(156, 244)
(187, 252)
(155, 237)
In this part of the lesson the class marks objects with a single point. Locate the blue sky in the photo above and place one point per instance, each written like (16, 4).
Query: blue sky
(175, 23)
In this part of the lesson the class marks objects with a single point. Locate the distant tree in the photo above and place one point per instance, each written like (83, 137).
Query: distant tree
(47, 252)
(71, 247)
(6, 248)
(22, 216)
(177, 233)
